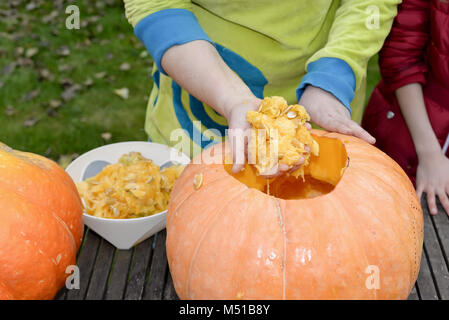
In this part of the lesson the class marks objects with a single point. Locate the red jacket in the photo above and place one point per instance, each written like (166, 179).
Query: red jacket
(417, 50)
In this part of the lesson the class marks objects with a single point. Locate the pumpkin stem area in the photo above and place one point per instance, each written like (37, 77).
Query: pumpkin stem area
(320, 176)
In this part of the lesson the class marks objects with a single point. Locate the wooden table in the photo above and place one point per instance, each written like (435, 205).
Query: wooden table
(142, 272)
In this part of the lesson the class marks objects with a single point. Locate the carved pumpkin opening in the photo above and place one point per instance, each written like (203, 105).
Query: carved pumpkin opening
(320, 176)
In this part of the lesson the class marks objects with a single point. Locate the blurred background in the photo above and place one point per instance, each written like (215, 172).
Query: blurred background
(64, 92)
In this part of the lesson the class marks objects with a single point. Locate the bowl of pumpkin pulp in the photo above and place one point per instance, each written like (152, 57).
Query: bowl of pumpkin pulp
(126, 201)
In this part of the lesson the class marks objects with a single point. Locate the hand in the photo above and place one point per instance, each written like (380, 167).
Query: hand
(239, 134)
(329, 113)
(239, 128)
(433, 178)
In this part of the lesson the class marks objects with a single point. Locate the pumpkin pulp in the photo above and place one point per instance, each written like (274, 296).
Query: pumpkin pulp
(321, 175)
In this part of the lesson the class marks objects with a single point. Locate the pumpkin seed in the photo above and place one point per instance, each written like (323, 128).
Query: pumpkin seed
(286, 110)
(149, 179)
(198, 181)
(115, 211)
(291, 114)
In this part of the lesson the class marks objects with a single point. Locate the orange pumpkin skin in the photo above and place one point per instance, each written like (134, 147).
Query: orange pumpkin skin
(228, 241)
(41, 225)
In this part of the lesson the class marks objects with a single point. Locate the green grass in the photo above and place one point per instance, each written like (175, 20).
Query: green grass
(103, 43)
(78, 124)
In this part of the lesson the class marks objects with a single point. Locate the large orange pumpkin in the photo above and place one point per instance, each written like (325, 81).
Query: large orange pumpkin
(41, 225)
(352, 230)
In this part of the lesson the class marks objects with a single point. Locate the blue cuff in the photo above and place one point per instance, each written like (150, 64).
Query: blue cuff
(163, 29)
(333, 75)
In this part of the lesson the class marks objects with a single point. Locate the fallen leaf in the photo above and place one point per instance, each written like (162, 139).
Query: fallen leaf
(88, 82)
(55, 103)
(138, 45)
(144, 54)
(125, 66)
(50, 17)
(122, 93)
(44, 44)
(31, 95)
(9, 68)
(99, 5)
(45, 74)
(65, 159)
(51, 112)
(70, 92)
(10, 111)
(19, 51)
(66, 82)
(64, 51)
(25, 62)
(106, 136)
(48, 152)
(100, 75)
(64, 67)
(31, 52)
(30, 6)
(30, 122)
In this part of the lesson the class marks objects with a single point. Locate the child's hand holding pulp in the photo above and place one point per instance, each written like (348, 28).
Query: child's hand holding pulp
(235, 112)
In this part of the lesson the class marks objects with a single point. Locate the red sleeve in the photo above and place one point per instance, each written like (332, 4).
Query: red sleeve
(402, 59)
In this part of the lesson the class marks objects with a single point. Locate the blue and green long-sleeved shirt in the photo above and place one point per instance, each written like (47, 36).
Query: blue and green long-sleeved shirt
(276, 47)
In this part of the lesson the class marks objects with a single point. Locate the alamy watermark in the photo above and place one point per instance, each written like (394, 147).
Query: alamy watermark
(372, 22)
(73, 280)
(73, 20)
(372, 282)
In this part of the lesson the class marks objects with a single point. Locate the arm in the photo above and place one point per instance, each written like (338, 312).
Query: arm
(403, 69)
(401, 59)
(198, 68)
(353, 41)
(433, 167)
(182, 50)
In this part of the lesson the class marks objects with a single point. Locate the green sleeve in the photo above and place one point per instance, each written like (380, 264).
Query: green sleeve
(354, 35)
(136, 10)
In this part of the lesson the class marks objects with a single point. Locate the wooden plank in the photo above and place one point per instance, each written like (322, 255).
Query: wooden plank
(119, 275)
(139, 266)
(100, 273)
(61, 295)
(86, 261)
(436, 258)
(414, 294)
(425, 282)
(169, 290)
(441, 224)
(155, 286)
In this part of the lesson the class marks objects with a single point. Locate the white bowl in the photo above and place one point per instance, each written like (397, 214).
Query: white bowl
(126, 233)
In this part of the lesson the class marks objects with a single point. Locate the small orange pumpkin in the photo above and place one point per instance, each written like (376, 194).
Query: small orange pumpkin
(353, 229)
(41, 225)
